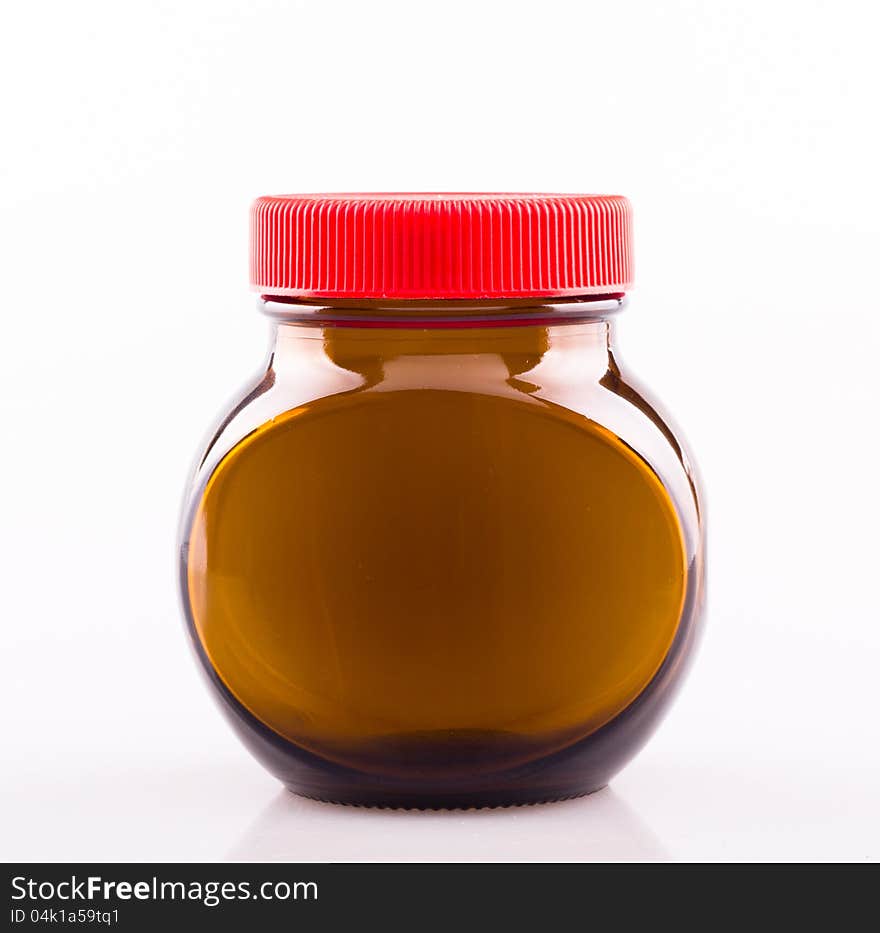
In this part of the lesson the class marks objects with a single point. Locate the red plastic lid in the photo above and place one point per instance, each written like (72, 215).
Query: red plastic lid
(441, 245)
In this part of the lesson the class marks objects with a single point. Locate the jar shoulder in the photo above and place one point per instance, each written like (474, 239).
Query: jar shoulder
(613, 399)
(635, 413)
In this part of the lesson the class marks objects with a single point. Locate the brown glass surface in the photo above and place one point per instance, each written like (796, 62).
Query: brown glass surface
(431, 587)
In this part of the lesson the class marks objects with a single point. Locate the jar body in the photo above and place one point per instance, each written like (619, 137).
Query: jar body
(449, 561)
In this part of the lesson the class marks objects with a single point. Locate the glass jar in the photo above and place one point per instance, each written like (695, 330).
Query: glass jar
(444, 551)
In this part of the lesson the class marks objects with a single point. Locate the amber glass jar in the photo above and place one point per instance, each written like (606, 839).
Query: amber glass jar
(444, 551)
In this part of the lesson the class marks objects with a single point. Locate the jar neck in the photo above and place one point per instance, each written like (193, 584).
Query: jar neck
(448, 313)
(403, 343)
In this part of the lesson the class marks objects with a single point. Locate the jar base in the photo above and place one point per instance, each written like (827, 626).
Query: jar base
(433, 802)
(425, 782)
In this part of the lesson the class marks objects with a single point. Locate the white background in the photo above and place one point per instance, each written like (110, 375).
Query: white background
(135, 135)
